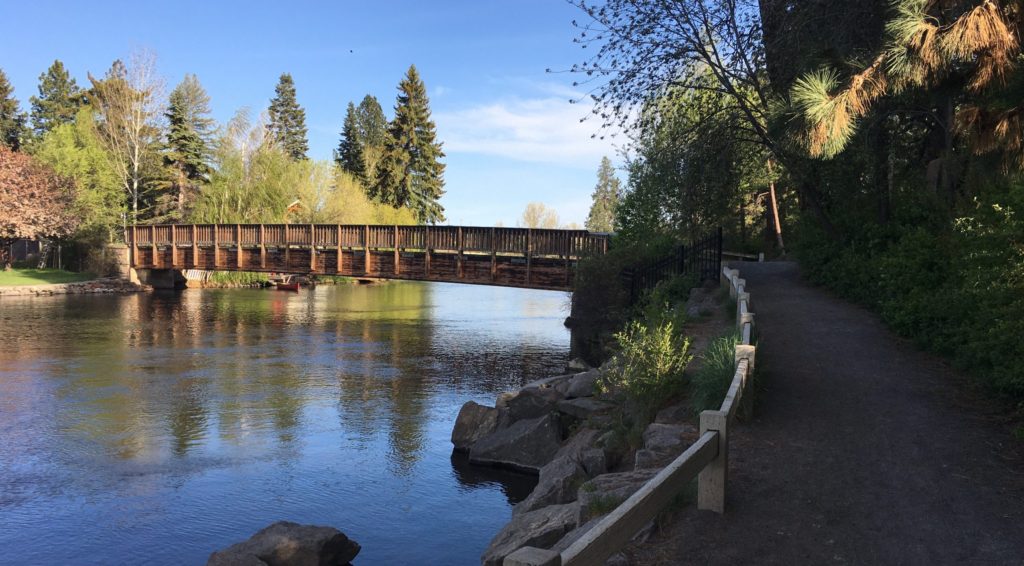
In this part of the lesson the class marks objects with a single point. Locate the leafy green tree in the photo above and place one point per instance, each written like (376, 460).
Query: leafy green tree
(349, 155)
(287, 125)
(189, 133)
(12, 119)
(58, 101)
(410, 173)
(606, 199)
(74, 150)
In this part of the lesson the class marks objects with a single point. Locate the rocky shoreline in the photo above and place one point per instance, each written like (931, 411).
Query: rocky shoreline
(561, 428)
(107, 286)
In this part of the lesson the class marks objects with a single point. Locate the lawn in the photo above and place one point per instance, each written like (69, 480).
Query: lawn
(40, 277)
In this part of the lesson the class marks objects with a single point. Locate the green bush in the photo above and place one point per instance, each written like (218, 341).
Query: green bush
(650, 364)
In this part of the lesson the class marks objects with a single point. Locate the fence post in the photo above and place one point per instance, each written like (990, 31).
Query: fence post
(396, 250)
(426, 252)
(238, 242)
(263, 247)
(338, 269)
(312, 248)
(366, 248)
(711, 483)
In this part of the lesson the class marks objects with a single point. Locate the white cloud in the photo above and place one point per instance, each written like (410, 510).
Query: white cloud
(546, 130)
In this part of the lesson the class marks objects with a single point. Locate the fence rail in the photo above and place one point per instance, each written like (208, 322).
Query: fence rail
(521, 257)
(702, 257)
(707, 459)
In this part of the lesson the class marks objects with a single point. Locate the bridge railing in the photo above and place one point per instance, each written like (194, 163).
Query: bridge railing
(569, 244)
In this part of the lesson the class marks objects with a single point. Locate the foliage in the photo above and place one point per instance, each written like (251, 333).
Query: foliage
(650, 363)
(287, 126)
(58, 101)
(349, 155)
(12, 119)
(128, 102)
(410, 172)
(605, 199)
(188, 152)
(37, 203)
(538, 215)
(75, 151)
(718, 366)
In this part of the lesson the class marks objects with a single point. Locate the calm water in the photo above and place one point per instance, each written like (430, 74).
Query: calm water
(156, 428)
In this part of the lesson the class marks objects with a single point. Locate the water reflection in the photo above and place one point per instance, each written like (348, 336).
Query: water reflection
(242, 406)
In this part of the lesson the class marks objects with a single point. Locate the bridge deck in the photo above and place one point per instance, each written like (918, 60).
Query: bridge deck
(516, 257)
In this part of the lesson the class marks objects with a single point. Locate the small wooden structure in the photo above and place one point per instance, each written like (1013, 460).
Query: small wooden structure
(514, 257)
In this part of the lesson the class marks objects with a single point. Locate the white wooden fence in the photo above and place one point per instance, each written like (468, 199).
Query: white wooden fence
(707, 459)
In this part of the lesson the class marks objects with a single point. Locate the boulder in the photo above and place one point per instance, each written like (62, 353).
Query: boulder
(473, 423)
(532, 403)
(548, 382)
(525, 445)
(577, 364)
(605, 492)
(558, 482)
(584, 407)
(663, 442)
(583, 384)
(289, 544)
(540, 529)
(594, 462)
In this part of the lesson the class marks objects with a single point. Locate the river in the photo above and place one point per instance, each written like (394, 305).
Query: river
(158, 427)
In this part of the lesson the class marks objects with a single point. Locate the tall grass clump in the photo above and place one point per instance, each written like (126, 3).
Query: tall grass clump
(712, 380)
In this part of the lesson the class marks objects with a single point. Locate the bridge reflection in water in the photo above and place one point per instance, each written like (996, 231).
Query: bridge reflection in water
(514, 257)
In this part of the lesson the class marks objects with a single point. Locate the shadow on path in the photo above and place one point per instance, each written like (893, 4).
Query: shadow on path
(859, 452)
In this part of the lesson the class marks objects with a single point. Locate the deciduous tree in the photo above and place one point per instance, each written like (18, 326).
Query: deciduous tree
(37, 203)
(538, 215)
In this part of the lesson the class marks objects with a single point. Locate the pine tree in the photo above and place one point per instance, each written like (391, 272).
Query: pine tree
(606, 199)
(372, 126)
(58, 101)
(349, 155)
(12, 119)
(288, 120)
(410, 172)
(188, 142)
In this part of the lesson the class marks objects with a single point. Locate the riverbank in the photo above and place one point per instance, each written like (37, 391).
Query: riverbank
(590, 446)
(109, 285)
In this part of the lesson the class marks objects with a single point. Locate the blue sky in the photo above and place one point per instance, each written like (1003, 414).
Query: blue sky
(510, 134)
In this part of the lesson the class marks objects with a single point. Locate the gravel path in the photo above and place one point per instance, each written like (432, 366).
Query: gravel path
(861, 451)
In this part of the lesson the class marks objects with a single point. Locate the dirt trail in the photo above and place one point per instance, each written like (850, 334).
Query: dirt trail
(860, 451)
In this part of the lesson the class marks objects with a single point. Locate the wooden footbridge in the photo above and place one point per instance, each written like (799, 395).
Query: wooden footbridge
(514, 257)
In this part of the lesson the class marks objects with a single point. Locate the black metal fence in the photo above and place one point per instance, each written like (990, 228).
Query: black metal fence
(702, 257)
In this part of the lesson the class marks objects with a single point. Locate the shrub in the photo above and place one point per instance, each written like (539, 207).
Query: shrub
(650, 364)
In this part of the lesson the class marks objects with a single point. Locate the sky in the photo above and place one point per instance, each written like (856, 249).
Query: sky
(510, 133)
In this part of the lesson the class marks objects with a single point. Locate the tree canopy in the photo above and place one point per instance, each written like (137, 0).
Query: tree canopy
(37, 203)
(58, 101)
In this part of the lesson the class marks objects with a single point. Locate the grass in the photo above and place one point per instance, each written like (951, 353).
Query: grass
(21, 276)
(712, 380)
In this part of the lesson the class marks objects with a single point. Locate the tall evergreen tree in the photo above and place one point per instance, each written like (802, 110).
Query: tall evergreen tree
(12, 119)
(606, 199)
(58, 101)
(188, 142)
(288, 120)
(410, 172)
(372, 126)
(349, 155)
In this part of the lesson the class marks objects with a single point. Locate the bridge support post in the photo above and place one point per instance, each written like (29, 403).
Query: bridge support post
(529, 253)
(287, 249)
(458, 242)
(494, 257)
(366, 248)
(263, 248)
(338, 268)
(312, 248)
(195, 247)
(238, 246)
(174, 246)
(133, 261)
(397, 267)
(426, 251)
(152, 242)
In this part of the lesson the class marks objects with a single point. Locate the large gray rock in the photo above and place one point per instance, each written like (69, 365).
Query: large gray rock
(605, 492)
(663, 442)
(531, 403)
(584, 407)
(525, 445)
(540, 529)
(473, 423)
(289, 544)
(549, 382)
(594, 461)
(558, 482)
(583, 384)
